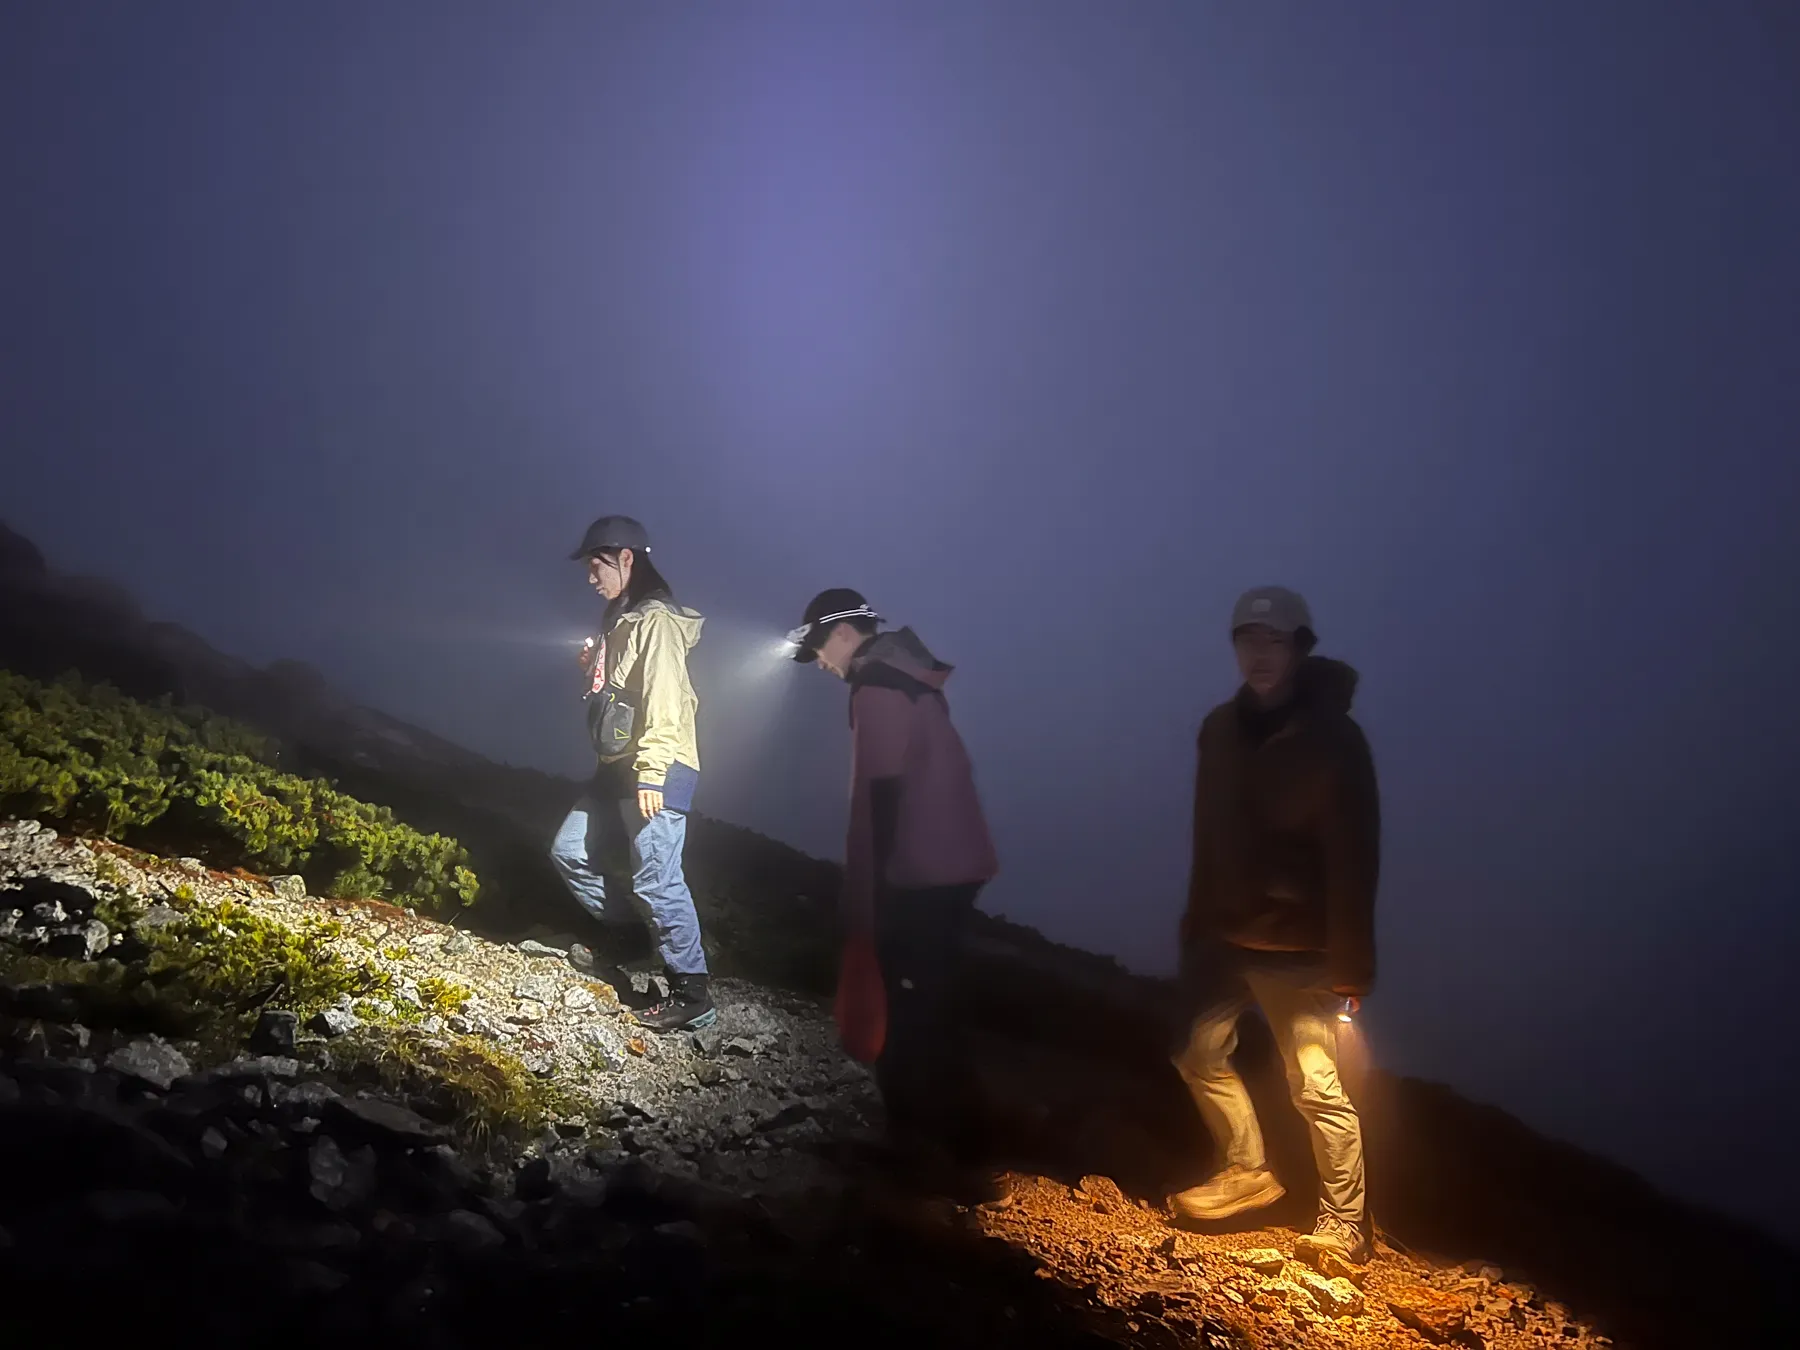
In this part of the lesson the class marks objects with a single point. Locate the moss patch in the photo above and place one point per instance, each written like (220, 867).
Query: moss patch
(481, 1090)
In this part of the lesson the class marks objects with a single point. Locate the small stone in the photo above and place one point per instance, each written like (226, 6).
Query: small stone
(333, 1022)
(1334, 1266)
(473, 1231)
(581, 958)
(431, 1025)
(532, 947)
(1264, 1260)
(1335, 1297)
(212, 1143)
(708, 1074)
(738, 1045)
(539, 1062)
(709, 1041)
(153, 1060)
(637, 1046)
(1492, 1274)
(578, 998)
(274, 1034)
(528, 1012)
(1439, 1316)
(458, 943)
(537, 988)
(1102, 1192)
(289, 887)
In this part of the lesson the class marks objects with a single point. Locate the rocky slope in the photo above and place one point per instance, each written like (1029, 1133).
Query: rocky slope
(689, 1186)
(762, 1127)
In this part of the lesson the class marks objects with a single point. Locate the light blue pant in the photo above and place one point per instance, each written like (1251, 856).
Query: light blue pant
(600, 835)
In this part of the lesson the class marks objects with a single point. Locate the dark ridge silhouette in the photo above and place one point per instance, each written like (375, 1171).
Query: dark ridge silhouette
(1073, 1045)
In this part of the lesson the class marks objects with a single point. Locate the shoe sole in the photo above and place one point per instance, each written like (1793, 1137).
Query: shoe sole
(1268, 1195)
(700, 1023)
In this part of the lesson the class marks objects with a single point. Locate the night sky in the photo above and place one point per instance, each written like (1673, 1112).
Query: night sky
(1050, 326)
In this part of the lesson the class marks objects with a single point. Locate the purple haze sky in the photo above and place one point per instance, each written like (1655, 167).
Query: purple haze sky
(1050, 326)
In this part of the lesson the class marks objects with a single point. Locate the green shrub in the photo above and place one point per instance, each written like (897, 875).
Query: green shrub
(86, 754)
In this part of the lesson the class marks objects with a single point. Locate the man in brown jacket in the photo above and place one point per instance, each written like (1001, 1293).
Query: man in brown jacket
(1281, 910)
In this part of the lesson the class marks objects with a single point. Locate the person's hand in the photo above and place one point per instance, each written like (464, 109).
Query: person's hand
(649, 802)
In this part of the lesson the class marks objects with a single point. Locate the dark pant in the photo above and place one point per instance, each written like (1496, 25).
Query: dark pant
(927, 1083)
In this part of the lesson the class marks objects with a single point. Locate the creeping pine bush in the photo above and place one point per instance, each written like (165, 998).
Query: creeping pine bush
(86, 754)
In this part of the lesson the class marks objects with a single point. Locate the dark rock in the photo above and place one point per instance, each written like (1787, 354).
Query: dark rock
(247, 1069)
(313, 1278)
(581, 958)
(289, 887)
(340, 1180)
(41, 1002)
(1438, 1316)
(708, 1075)
(532, 1180)
(156, 917)
(212, 1143)
(333, 1022)
(709, 1040)
(382, 1122)
(153, 1060)
(274, 1034)
(124, 1207)
(472, 1231)
(79, 942)
(308, 1097)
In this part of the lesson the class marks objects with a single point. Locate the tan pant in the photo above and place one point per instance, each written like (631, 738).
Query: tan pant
(1302, 1013)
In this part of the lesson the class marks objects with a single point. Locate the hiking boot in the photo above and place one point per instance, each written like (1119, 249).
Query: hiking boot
(1232, 1191)
(1340, 1237)
(688, 1007)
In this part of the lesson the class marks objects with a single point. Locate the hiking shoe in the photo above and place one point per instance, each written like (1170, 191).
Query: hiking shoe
(1232, 1191)
(1340, 1237)
(689, 1006)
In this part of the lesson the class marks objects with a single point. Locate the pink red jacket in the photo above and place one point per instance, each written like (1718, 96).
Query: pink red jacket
(900, 723)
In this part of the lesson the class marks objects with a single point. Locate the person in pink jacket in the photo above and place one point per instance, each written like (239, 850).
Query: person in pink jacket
(917, 856)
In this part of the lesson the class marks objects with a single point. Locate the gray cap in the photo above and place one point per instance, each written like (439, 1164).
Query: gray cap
(1273, 607)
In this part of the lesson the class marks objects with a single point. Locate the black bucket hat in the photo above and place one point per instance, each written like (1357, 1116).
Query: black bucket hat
(610, 533)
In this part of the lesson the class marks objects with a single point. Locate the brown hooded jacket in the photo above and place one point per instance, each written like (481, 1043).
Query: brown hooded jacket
(1287, 828)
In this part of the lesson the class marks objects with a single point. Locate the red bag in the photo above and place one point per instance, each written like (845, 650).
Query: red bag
(861, 1006)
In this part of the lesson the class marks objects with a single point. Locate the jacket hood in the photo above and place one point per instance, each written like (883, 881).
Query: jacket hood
(1321, 684)
(688, 622)
(903, 651)
(1326, 684)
